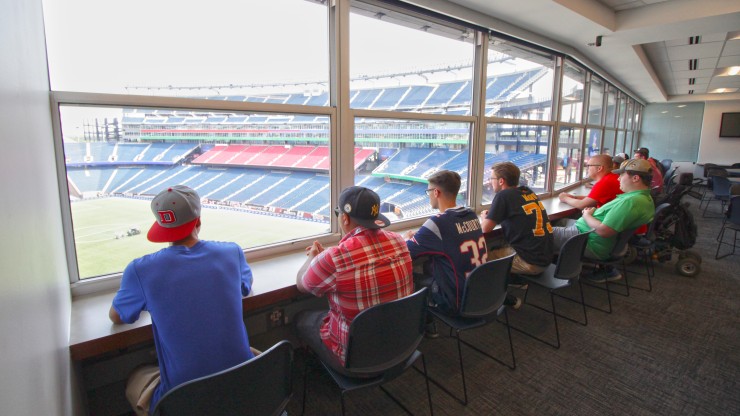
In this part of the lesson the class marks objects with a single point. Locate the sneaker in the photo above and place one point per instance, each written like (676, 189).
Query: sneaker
(430, 331)
(604, 275)
(513, 301)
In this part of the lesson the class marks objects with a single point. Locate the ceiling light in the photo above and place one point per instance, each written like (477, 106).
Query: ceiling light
(681, 106)
(722, 90)
(663, 112)
(729, 71)
(733, 35)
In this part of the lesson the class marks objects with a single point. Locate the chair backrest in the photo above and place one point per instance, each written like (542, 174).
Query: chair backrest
(570, 259)
(385, 335)
(733, 215)
(707, 167)
(658, 212)
(485, 288)
(260, 386)
(721, 186)
(666, 164)
(621, 246)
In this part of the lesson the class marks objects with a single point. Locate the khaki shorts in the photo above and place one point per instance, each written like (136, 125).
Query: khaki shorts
(518, 266)
(140, 388)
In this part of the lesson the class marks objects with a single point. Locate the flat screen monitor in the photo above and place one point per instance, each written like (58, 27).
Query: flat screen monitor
(730, 126)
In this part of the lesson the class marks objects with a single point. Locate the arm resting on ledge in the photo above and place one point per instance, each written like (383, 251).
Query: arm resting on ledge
(114, 317)
(577, 201)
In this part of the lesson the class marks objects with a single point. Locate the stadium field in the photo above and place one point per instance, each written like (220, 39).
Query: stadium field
(98, 222)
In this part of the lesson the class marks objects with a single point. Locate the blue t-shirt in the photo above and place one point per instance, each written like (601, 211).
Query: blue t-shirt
(455, 243)
(194, 296)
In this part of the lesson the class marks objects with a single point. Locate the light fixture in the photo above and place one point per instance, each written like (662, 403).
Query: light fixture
(729, 71)
(722, 90)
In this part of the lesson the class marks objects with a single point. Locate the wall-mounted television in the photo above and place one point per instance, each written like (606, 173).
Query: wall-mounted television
(730, 126)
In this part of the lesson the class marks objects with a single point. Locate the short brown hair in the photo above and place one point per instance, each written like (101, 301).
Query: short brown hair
(508, 171)
(446, 181)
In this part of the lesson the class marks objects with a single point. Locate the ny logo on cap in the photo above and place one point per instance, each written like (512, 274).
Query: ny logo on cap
(374, 211)
(167, 217)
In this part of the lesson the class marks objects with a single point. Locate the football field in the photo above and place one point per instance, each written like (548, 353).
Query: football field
(98, 222)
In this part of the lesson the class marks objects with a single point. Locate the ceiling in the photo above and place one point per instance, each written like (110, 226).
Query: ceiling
(660, 50)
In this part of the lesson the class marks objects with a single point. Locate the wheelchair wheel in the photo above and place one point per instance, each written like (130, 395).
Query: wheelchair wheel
(690, 253)
(688, 266)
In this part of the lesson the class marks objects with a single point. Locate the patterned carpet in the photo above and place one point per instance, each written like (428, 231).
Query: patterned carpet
(674, 351)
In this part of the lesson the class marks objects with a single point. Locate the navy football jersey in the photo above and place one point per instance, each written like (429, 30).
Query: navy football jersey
(455, 244)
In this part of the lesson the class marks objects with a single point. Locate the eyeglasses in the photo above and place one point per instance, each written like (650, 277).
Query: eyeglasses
(588, 166)
(429, 191)
(493, 178)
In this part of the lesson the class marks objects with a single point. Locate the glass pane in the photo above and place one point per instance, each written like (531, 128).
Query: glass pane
(402, 63)
(593, 145)
(629, 114)
(572, 94)
(622, 111)
(402, 154)
(619, 146)
(596, 101)
(611, 106)
(519, 81)
(524, 145)
(609, 136)
(263, 179)
(183, 48)
(569, 156)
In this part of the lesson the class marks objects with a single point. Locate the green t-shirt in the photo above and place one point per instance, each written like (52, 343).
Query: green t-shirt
(626, 211)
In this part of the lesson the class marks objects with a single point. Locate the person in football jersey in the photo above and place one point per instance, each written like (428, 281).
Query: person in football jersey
(451, 240)
(523, 219)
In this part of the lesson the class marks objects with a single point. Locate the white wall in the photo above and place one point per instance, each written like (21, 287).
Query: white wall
(34, 290)
(712, 148)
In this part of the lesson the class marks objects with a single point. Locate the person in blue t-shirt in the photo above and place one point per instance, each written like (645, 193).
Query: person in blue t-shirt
(451, 239)
(193, 291)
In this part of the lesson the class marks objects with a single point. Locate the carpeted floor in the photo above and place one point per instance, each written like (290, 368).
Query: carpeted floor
(674, 351)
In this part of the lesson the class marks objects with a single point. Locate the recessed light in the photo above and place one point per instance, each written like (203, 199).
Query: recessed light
(664, 112)
(722, 90)
(729, 71)
(681, 106)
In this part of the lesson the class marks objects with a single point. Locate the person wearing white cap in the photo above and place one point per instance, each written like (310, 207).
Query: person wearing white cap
(193, 291)
(629, 210)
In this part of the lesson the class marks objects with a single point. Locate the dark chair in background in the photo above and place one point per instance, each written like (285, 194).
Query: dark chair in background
(482, 302)
(731, 222)
(261, 386)
(721, 190)
(666, 163)
(557, 276)
(382, 345)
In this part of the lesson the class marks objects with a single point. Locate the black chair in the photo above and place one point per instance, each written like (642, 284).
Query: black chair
(482, 302)
(721, 189)
(644, 247)
(666, 163)
(732, 222)
(260, 386)
(382, 345)
(616, 258)
(558, 276)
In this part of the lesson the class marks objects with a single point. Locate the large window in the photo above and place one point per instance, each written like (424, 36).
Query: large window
(519, 81)
(256, 174)
(268, 108)
(217, 50)
(524, 145)
(571, 108)
(403, 63)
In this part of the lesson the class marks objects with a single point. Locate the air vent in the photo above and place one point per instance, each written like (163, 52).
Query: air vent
(694, 40)
(693, 64)
(692, 81)
(691, 91)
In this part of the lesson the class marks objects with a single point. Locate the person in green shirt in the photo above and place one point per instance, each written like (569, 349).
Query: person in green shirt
(629, 210)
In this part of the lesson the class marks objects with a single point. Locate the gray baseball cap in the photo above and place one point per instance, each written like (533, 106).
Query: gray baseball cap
(177, 210)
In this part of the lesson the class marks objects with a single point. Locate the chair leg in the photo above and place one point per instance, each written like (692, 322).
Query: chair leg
(719, 244)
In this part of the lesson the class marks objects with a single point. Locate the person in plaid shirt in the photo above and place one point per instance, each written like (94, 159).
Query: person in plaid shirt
(369, 266)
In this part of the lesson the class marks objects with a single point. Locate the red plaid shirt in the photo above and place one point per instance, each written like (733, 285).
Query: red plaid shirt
(368, 267)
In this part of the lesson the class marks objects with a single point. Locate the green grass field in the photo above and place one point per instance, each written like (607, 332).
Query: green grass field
(96, 223)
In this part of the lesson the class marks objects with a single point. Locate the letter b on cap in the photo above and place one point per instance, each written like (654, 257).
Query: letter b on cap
(167, 217)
